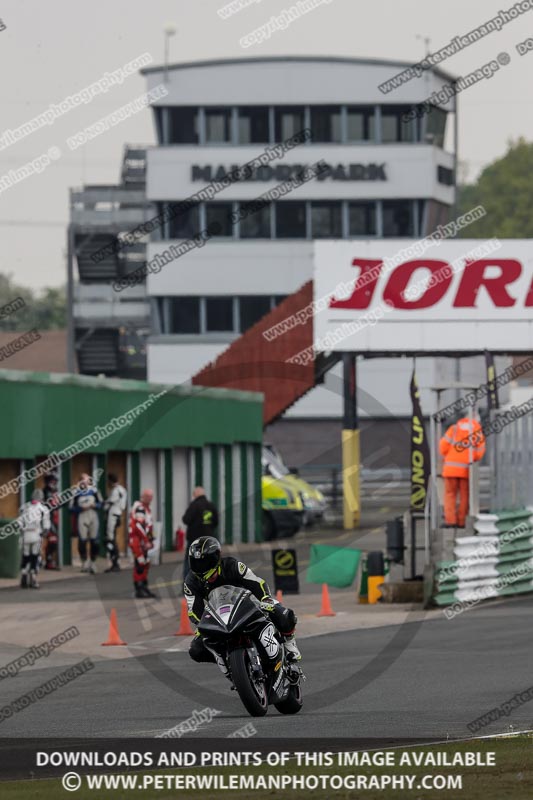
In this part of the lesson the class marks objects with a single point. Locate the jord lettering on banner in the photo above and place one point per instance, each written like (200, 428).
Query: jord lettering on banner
(476, 275)
(467, 297)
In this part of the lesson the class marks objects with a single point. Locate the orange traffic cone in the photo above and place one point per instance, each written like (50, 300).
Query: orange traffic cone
(326, 610)
(114, 636)
(185, 625)
(279, 596)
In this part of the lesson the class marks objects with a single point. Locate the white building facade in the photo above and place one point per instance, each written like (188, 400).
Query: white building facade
(387, 178)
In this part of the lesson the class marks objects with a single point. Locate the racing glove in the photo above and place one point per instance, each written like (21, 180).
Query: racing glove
(268, 603)
(140, 564)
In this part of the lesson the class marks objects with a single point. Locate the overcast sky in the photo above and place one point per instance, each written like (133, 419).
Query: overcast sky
(52, 49)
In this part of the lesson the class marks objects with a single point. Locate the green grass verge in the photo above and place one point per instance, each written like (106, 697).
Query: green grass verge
(511, 777)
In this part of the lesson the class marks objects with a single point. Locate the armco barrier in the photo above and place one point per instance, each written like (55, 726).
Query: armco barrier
(496, 562)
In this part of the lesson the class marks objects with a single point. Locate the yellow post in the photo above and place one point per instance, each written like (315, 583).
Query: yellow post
(351, 469)
(374, 592)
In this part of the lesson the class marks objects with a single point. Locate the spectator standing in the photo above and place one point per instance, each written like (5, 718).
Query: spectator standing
(201, 519)
(115, 505)
(85, 505)
(34, 522)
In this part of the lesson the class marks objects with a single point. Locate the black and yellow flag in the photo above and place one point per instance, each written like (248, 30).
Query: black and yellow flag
(492, 394)
(420, 460)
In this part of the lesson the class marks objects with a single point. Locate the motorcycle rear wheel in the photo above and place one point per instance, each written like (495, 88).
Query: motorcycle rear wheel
(254, 700)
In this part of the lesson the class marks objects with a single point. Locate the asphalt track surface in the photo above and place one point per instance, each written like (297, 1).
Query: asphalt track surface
(417, 680)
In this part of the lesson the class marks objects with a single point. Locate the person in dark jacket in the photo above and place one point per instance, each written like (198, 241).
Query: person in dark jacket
(201, 519)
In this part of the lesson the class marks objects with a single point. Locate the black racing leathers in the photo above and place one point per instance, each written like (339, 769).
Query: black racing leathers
(234, 573)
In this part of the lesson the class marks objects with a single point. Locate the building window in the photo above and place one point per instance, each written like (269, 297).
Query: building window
(326, 220)
(219, 314)
(393, 126)
(185, 224)
(435, 214)
(253, 125)
(362, 219)
(217, 125)
(398, 218)
(361, 125)
(289, 120)
(445, 175)
(326, 123)
(256, 223)
(218, 219)
(251, 309)
(184, 316)
(291, 220)
(159, 111)
(435, 121)
(183, 125)
(421, 208)
(215, 314)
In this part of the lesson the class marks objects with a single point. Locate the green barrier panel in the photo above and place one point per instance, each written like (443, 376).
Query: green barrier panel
(496, 562)
(9, 553)
(523, 587)
(336, 566)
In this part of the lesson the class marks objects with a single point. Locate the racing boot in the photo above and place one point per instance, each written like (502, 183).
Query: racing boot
(291, 648)
(33, 581)
(23, 580)
(148, 592)
(221, 664)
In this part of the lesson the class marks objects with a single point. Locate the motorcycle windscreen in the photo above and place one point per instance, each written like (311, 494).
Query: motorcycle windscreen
(228, 608)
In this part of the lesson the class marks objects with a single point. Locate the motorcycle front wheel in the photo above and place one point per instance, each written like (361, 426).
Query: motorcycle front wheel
(293, 702)
(252, 693)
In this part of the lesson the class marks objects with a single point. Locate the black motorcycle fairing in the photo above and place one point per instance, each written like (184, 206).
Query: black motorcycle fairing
(228, 609)
(233, 619)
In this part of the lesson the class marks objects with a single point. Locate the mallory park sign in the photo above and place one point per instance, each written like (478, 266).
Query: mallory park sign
(286, 172)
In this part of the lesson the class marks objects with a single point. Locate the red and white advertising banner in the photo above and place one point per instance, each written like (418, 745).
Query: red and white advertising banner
(407, 296)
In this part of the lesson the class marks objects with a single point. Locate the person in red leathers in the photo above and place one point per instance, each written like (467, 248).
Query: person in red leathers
(140, 542)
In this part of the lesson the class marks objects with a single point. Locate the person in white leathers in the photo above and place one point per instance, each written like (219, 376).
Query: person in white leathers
(115, 505)
(34, 522)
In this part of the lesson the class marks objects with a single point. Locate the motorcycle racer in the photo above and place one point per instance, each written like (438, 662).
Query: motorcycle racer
(34, 523)
(208, 571)
(85, 504)
(140, 542)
